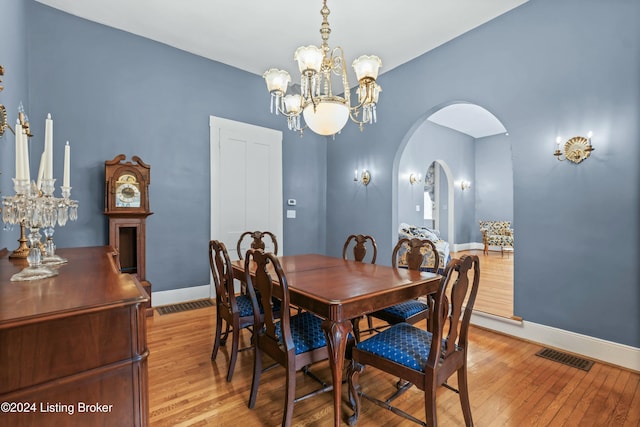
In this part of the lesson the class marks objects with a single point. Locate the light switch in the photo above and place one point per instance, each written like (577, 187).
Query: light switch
(417, 208)
(291, 213)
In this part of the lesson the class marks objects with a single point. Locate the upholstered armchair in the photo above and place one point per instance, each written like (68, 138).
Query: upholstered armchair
(496, 233)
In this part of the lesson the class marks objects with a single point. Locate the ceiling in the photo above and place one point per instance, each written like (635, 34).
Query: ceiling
(257, 35)
(470, 119)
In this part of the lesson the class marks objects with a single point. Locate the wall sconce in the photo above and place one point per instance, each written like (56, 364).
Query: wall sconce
(364, 179)
(465, 185)
(22, 117)
(413, 178)
(576, 149)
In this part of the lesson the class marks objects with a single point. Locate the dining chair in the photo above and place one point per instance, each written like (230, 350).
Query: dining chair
(293, 341)
(358, 244)
(257, 241)
(413, 254)
(422, 358)
(235, 311)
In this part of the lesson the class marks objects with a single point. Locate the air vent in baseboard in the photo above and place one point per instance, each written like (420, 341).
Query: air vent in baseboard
(566, 359)
(184, 306)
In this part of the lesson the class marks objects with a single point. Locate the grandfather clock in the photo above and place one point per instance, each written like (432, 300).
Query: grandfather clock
(126, 204)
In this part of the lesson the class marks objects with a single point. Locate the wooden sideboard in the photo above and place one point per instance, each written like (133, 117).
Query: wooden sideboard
(73, 348)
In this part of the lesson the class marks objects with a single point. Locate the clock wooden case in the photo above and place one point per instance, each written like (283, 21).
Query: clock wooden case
(127, 206)
(127, 185)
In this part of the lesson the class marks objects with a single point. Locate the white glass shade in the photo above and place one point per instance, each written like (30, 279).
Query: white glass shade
(293, 103)
(328, 118)
(277, 80)
(309, 58)
(367, 66)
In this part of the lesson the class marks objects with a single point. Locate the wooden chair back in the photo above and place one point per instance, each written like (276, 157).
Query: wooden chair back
(416, 254)
(222, 273)
(450, 323)
(261, 287)
(358, 242)
(257, 241)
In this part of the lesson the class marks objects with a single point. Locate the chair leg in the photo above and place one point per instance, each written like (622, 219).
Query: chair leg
(290, 396)
(223, 340)
(464, 396)
(430, 405)
(216, 339)
(355, 369)
(257, 369)
(235, 338)
(356, 328)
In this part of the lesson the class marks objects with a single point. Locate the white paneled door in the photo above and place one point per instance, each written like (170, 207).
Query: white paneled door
(246, 181)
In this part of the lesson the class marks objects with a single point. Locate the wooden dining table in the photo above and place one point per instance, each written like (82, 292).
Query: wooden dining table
(340, 290)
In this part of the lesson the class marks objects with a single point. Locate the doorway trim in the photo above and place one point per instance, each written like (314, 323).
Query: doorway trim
(450, 203)
(219, 127)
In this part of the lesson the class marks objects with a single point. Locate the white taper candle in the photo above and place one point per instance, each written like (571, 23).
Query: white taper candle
(18, 150)
(25, 152)
(48, 147)
(41, 171)
(67, 154)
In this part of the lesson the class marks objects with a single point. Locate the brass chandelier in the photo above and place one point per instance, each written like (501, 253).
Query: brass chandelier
(324, 110)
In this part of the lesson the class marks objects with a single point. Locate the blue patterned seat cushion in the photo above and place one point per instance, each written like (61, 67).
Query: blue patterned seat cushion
(306, 331)
(246, 309)
(401, 343)
(244, 305)
(406, 309)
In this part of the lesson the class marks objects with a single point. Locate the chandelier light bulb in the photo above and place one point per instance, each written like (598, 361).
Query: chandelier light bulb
(293, 103)
(309, 58)
(277, 80)
(367, 66)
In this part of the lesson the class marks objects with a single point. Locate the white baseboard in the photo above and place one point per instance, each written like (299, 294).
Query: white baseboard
(175, 296)
(467, 246)
(593, 348)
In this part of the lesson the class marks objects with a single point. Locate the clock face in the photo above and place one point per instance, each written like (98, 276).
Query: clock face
(127, 192)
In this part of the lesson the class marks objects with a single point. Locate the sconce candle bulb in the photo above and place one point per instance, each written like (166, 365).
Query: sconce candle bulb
(364, 179)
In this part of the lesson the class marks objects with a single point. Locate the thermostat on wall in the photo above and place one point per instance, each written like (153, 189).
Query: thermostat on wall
(291, 202)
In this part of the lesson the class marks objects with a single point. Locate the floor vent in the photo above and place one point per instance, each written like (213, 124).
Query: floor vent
(566, 359)
(184, 306)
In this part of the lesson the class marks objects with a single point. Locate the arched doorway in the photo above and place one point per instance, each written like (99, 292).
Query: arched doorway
(443, 206)
(434, 139)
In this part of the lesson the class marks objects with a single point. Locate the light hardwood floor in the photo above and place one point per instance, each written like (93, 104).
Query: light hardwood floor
(509, 386)
(495, 293)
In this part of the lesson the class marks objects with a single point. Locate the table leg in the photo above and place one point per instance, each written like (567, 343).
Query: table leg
(337, 334)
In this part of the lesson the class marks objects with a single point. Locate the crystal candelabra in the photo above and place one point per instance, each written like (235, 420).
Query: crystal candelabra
(37, 210)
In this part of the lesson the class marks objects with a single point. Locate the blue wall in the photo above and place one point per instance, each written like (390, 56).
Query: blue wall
(13, 57)
(110, 92)
(545, 68)
(493, 181)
